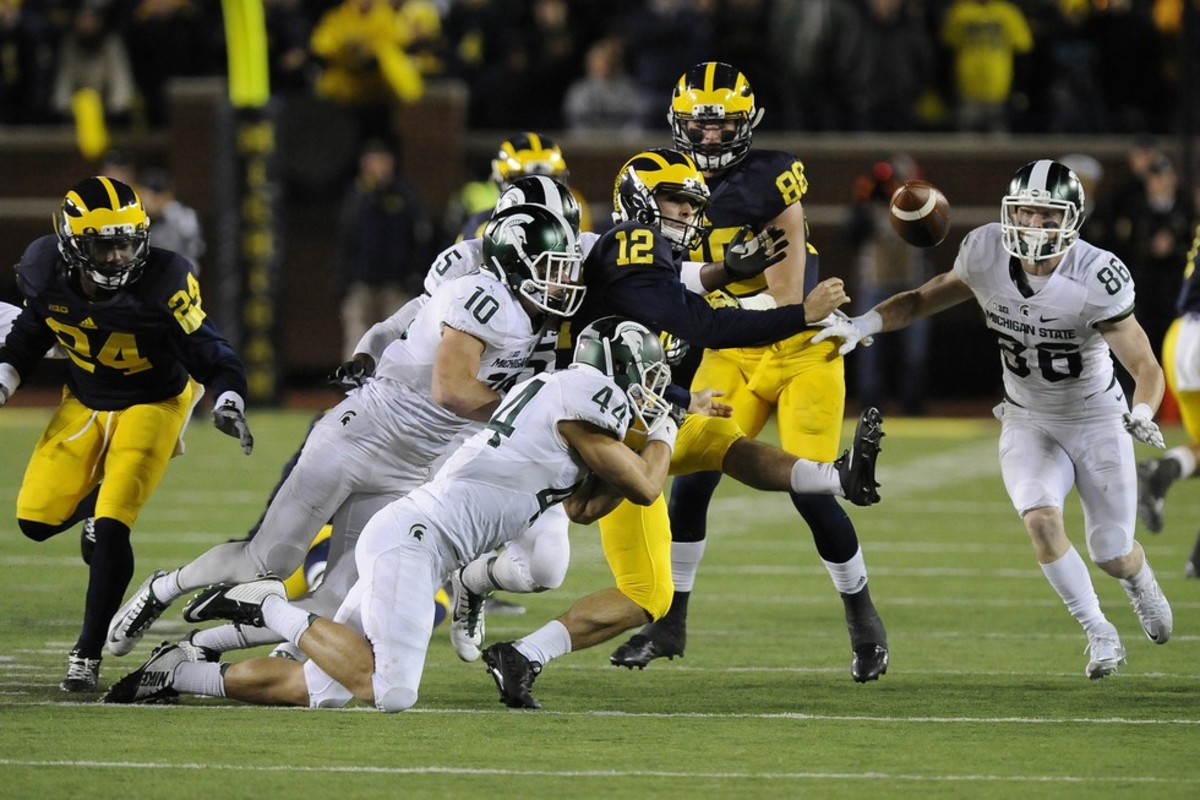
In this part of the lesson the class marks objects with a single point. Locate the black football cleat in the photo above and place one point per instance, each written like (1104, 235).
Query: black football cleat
(1155, 476)
(856, 467)
(868, 637)
(656, 640)
(152, 681)
(513, 673)
(869, 662)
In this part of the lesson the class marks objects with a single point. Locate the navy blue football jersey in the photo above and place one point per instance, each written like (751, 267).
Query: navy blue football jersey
(137, 345)
(1189, 295)
(753, 192)
(632, 272)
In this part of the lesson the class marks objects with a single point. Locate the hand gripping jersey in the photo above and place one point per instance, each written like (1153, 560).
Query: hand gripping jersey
(753, 192)
(1050, 350)
(505, 476)
(136, 346)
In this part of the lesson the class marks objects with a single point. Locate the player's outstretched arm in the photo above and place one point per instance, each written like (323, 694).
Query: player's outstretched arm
(620, 472)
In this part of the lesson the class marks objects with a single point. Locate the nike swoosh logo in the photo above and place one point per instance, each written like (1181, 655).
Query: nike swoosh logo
(1047, 319)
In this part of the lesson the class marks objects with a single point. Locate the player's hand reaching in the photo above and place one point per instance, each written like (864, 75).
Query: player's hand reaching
(352, 373)
(705, 403)
(230, 419)
(1141, 426)
(748, 254)
(850, 330)
(826, 296)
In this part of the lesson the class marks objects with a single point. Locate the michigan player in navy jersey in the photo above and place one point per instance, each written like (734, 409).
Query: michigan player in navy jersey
(634, 270)
(140, 346)
(712, 116)
(1181, 363)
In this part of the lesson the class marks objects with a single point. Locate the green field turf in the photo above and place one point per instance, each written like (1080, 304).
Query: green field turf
(986, 695)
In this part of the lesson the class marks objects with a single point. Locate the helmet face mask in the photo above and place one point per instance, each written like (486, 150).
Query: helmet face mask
(534, 251)
(632, 356)
(713, 98)
(542, 191)
(1050, 189)
(528, 154)
(103, 232)
(658, 174)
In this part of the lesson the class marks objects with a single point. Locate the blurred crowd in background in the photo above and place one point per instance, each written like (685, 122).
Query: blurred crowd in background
(1040, 66)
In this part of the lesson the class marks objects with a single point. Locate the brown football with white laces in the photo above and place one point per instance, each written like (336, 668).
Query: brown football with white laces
(920, 213)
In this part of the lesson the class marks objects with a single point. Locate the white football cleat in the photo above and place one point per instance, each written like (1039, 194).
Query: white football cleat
(133, 619)
(1153, 611)
(1105, 653)
(466, 619)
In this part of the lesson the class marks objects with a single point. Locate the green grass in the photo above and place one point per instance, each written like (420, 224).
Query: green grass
(985, 696)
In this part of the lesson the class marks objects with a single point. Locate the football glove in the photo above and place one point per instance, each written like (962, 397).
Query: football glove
(749, 254)
(352, 374)
(229, 420)
(666, 433)
(674, 348)
(1142, 427)
(9, 381)
(853, 331)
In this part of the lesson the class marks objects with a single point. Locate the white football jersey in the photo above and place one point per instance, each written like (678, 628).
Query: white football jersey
(1052, 355)
(506, 475)
(478, 305)
(8, 315)
(466, 257)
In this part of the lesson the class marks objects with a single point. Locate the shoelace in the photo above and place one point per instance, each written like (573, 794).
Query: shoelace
(1147, 605)
(79, 669)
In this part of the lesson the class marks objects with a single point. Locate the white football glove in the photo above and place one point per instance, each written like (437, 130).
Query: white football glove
(1141, 426)
(853, 331)
(665, 433)
(9, 381)
(230, 419)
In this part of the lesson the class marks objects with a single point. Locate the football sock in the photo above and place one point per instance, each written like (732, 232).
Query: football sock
(1139, 582)
(108, 578)
(685, 562)
(688, 506)
(813, 477)
(224, 638)
(285, 619)
(1069, 577)
(849, 577)
(166, 587)
(202, 677)
(1186, 459)
(676, 615)
(832, 531)
(546, 643)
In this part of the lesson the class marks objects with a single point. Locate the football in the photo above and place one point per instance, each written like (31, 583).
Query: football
(920, 213)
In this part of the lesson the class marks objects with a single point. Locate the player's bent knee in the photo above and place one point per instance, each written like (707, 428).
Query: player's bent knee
(397, 699)
(655, 599)
(37, 531)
